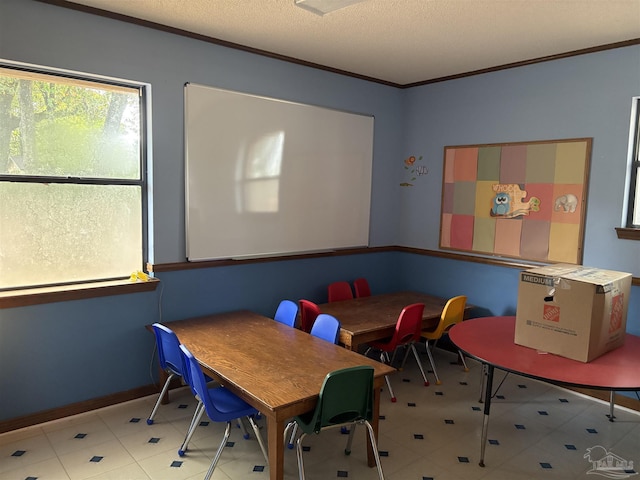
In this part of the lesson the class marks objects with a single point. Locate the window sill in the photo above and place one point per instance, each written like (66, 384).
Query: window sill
(37, 296)
(628, 233)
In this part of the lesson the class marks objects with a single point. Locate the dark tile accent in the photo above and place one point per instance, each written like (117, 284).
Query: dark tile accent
(230, 444)
(501, 397)
(520, 427)
(406, 380)
(463, 459)
(448, 421)
(258, 468)
(542, 412)
(342, 474)
(418, 436)
(427, 478)
(154, 440)
(440, 394)
(18, 453)
(381, 417)
(570, 447)
(306, 449)
(134, 420)
(545, 465)
(96, 459)
(494, 442)
(31, 478)
(176, 464)
(80, 435)
(522, 385)
(592, 430)
(464, 383)
(383, 453)
(411, 404)
(476, 409)
(563, 400)
(183, 405)
(203, 424)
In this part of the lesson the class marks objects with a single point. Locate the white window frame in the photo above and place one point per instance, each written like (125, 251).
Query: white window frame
(144, 180)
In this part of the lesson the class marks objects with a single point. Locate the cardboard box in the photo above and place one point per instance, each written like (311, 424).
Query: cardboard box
(573, 311)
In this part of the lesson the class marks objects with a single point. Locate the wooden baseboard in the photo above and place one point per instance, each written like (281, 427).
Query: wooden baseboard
(621, 400)
(76, 408)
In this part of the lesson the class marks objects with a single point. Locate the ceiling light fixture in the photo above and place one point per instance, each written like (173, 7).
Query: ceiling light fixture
(322, 7)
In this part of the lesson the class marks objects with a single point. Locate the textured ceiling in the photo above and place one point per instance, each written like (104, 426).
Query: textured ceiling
(400, 41)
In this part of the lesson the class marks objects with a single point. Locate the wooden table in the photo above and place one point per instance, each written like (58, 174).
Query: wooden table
(366, 319)
(491, 341)
(277, 369)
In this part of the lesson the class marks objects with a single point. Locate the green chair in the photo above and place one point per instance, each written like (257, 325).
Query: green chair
(346, 397)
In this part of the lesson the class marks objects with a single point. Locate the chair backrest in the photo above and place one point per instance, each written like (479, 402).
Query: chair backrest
(308, 313)
(169, 354)
(339, 291)
(346, 396)
(409, 325)
(195, 379)
(286, 313)
(361, 287)
(326, 327)
(452, 313)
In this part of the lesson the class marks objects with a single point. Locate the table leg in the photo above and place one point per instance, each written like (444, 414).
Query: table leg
(375, 421)
(487, 407)
(275, 429)
(612, 403)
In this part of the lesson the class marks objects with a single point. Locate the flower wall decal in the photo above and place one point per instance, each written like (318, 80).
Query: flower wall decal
(413, 169)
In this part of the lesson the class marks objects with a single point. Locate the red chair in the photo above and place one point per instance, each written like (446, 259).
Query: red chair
(308, 313)
(339, 291)
(408, 330)
(361, 286)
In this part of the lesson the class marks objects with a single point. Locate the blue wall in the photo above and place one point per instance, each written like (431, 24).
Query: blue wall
(56, 354)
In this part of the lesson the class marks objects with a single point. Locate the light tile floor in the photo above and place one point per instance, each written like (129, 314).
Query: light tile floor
(536, 431)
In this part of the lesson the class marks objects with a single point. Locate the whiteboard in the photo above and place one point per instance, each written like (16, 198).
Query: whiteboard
(266, 177)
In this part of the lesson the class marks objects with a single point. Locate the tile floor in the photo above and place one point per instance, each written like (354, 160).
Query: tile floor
(536, 431)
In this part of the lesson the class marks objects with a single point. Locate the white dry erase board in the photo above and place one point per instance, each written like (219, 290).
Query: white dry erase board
(267, 177)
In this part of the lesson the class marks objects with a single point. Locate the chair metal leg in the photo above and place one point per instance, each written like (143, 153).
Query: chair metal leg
(417, 357)
(347, 450)
(212, 467)
(464, 363)
(160, 397)
(256, 431)
(384, 358)
(242, 427)
(299, 455)
(372, 436)
(433, 364)
(197, 415)
(294, 432)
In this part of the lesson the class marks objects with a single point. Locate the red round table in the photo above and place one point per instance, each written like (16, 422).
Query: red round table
(490, 341)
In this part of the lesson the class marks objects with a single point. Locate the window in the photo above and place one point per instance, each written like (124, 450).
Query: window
(633, 204)
(72, 178)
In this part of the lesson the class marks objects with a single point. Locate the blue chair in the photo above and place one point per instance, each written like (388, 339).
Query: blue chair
(346, 398)
(287, 313)
(170, 358)
(220, 404)
(325, 327)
